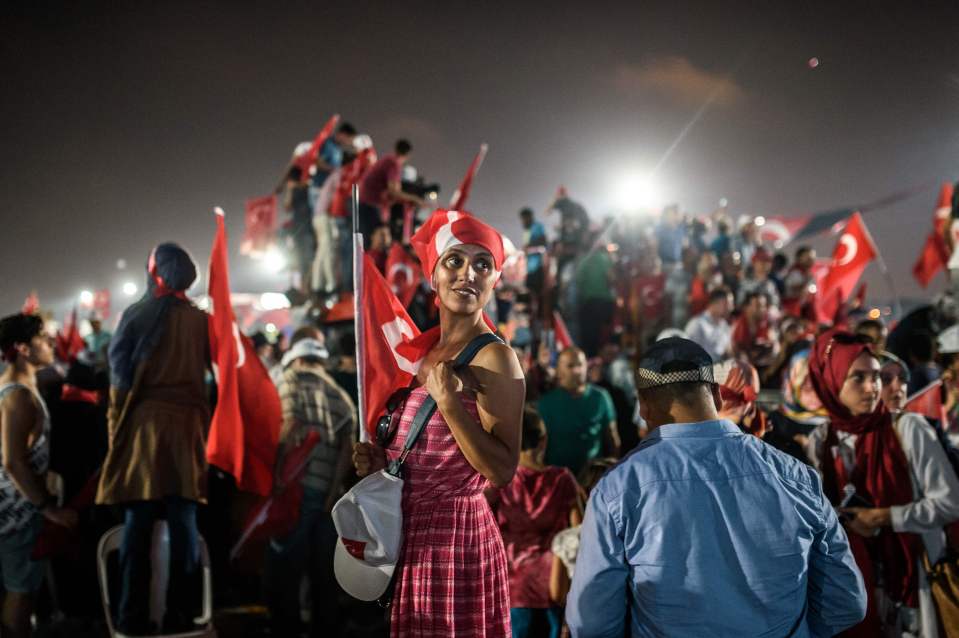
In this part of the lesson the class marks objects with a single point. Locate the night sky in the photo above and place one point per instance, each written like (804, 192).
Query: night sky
(121, 126)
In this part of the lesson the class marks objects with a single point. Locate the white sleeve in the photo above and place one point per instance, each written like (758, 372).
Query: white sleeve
(938, 502)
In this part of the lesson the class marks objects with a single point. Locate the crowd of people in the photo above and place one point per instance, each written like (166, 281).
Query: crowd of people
(664, 439)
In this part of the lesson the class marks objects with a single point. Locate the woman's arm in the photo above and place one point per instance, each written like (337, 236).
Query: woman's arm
(492, 445)
(938, 504)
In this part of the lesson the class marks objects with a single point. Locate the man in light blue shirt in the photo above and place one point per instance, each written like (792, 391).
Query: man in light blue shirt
(706, 531)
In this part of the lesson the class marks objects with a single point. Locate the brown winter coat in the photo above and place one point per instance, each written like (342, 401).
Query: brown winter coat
(158, 429)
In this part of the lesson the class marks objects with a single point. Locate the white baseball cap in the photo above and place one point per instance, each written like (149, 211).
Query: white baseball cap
(369, 521)
(305, 348)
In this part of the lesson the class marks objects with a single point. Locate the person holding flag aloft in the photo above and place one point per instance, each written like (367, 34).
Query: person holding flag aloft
(451, 577)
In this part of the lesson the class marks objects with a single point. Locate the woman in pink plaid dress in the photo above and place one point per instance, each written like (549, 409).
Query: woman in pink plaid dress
(451, 579)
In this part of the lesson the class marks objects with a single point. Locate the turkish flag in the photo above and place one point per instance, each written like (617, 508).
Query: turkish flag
(458, 201)
(853, 252)
(649, 293)
(101, 303)
(307, 161)
(245, 428)
(350, 174)
(69, 343)
(563, 340)
(928, 402)
(402, 273)
(935, 252)
(779, 230)
(260, 218)
(392, 346)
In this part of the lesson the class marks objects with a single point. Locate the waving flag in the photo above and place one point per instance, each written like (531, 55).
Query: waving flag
(69, 343)
(245, 428)
(31, 305)
(935, 252)
(307, 160)
(460, 195)
(260, 218)
(563, 338)
(928, 402)
(402, 273)
(853, 252)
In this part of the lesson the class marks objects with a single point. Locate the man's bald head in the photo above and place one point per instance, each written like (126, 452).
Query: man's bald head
(571, 370)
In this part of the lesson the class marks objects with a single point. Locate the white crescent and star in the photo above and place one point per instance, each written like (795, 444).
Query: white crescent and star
(851, 249)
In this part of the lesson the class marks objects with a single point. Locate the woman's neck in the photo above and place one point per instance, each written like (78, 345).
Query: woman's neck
(531, 461)
(457, 329)
(20, 372)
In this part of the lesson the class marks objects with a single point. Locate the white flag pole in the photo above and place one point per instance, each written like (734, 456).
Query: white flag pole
(357, 319)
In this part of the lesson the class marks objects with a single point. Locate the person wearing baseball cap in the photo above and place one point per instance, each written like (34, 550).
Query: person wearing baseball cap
(704, 530)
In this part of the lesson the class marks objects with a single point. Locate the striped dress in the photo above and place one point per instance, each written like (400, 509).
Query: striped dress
(453, 579)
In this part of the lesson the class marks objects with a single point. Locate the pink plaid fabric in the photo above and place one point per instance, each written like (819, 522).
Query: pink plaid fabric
(453, 579)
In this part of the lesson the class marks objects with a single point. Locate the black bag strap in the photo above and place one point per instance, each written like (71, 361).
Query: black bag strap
(428, 407)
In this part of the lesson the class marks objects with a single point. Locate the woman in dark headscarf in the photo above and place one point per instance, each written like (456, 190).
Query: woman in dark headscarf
(158, 417)
(890, 479)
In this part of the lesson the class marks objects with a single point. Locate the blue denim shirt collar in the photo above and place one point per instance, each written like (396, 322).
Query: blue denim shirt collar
(703, 430)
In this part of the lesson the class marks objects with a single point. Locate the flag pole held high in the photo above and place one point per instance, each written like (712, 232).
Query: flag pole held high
(357, 299)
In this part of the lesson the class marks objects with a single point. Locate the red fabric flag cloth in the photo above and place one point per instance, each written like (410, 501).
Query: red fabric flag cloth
(393, 347)
(928, 402)
(461, 194)
(779, 230)
(260, 218)
(402, 273)
(307, 160)
(563, 340)
(935, 252)
(31, 305)
(853, 252)
(101, 303)
(649, 296)
(69, 343)
(351, 175)
(245, 428)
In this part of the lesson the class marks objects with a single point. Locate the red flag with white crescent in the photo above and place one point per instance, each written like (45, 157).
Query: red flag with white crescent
(260, 219)
(853, 252)
(928, 402)
(402, 273)
(460, 195)
(245, 428)
(935, 252)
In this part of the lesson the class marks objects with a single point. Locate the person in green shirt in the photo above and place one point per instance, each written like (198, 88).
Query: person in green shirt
(595, 292)
(579, 416)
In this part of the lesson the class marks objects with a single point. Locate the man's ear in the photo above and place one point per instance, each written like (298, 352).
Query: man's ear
(717, 397)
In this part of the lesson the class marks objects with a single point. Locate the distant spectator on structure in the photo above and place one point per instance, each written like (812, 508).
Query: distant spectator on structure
(381, 187)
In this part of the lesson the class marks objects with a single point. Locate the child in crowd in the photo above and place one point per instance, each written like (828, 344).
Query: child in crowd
(530, 510)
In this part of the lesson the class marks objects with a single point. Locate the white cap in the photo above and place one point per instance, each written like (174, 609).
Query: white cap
(949, 340)
(369, 521)
(305, 348)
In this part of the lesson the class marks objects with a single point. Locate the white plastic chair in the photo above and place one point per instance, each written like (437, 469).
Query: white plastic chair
(160, 563)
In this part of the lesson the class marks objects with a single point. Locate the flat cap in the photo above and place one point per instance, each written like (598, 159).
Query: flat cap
(674, 360)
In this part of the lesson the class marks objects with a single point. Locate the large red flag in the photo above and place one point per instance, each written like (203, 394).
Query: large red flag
(245, 428)
(307, 160)
(853, 252)
(260, 218)
(458, 201)
(402, 273)
(935, 252)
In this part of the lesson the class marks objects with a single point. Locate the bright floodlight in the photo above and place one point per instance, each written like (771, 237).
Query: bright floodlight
(129, 289)
(274, 260)
(86, 297)
(637, 191)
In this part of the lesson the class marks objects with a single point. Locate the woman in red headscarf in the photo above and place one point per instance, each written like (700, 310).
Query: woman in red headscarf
(891, 481)
(739, 388)
(452, 579)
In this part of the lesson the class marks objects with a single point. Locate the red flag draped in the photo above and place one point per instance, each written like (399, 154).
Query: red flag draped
(31, 305)
(935, 252)
(460, 195)
(260, 218)
(307, 160)
(853, 252)
(245, 427)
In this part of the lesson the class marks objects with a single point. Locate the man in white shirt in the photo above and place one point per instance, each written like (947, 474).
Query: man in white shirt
(711, 329)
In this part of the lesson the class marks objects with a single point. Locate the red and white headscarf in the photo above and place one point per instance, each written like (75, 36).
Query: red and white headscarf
(448, 228)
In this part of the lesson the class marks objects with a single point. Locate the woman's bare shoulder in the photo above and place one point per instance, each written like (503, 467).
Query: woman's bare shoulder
(498, 358)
